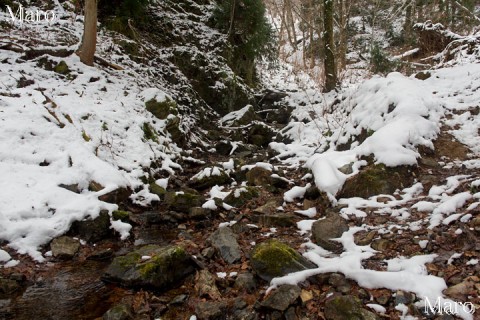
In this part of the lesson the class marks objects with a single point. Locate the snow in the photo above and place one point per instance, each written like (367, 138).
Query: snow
(295, 192)
(4, 256)
(64, 132)
(311, 213)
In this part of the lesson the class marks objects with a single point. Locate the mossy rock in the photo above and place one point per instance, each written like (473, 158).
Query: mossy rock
(260, 135)
(241, 196)
(93, 230)
(156, 189)
(273, 258)
(151, 266)
(118, 312)
(258, 176)
(346, 308)
(120, 215)
(211, 180)
(62, 68)
(182, 201)
(173, 128)
(163, 108)
(378, 179)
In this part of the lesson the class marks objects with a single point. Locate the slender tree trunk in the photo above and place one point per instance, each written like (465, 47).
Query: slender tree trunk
(407, 27)
(86, 51)
(329, 62)
(344, 14)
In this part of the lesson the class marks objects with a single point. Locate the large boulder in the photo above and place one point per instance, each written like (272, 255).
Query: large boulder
(377, 179)
(333, 226)
(273, 258)
(241, 117)
(161, 105)
(151, 266)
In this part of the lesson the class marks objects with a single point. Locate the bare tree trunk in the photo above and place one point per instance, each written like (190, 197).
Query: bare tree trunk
(344, 14)
(86, 51)
(329, 62)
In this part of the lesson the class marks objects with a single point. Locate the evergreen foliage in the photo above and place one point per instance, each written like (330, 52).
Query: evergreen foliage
(116, 14)
(249, 33)
(379, 61)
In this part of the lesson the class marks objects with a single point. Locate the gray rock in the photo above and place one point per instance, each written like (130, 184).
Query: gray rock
(268, 208)
(402, 297)
(275, 220)
(329, 228)
(225, 242)
(8, 287)
(210, 181)
(210, 310)
(184, 200)
(118, 312)
(205, 285)
(93, 230)
(246, 194)
(199, 213)
(151, 266)
(282, 297)
(64, 247)
(245, 281)
(273, 258)
(258, 176)
(346, 308)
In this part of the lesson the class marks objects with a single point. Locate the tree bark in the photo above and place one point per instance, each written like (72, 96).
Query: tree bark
(86, 52)
(329, 62)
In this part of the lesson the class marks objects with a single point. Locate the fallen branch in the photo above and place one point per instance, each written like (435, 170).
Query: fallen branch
(107, 64)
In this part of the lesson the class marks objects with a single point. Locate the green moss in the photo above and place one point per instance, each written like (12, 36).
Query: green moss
(62, 68)
(250, 193)
(85, 136)
(161, 109)
(120, 215)
(275, 258)
(156, 189)
(157, 264)
(149, 132)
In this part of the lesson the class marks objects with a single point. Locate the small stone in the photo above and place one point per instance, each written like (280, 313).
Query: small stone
(306, 295)
(118, 312)
(329, 228)
(346, 307)
(245, 281)
(402, 297)
(64, 247)
(258, 176)
(466, 288)
(208, 252)
(93, 230)
(8, 287)
(225, 242)
(282, 297)
(199, 213)
(210, 310)
(205, 285)
(268, 208)
(276, 220)
(382, 244)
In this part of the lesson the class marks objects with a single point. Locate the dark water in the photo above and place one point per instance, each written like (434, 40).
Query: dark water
(74, 292)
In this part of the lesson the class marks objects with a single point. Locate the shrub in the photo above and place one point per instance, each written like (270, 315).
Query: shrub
(116, 13)
(379, 61)
(249, 33)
